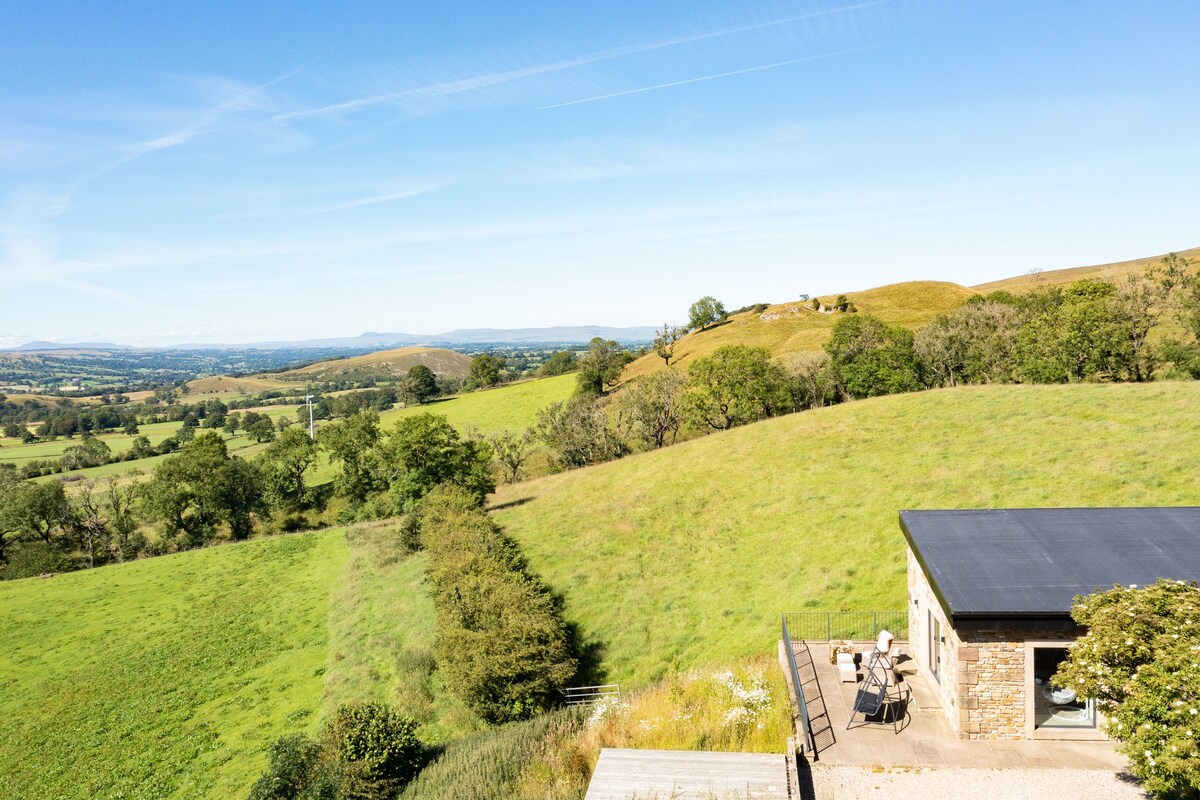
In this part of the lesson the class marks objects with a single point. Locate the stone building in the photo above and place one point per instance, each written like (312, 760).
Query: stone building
(990, 594)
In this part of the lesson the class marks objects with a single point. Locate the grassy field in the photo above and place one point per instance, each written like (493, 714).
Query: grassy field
(163, 678)
(685, 556)
(794, 327)
(13, 451)
(513, 406)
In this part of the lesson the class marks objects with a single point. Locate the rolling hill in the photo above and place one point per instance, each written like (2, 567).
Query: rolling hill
(793, 327)
(786, 328)
(1106, 272)
(383, 365)
(170, 675)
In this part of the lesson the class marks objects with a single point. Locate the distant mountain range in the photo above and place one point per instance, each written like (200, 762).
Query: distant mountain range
(563, 334)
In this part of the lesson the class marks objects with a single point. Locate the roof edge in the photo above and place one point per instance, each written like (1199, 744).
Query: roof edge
(933, 585)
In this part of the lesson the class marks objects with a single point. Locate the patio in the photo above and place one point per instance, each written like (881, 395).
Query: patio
(925, 738)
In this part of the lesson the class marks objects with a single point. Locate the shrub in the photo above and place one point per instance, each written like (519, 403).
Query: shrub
(378, 747)
(500, 641)
(577, 434)
(293, 765)
(365, 752)
(36, 558)
(1137, 661)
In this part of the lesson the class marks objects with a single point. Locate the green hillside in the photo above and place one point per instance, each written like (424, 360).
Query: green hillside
(513, 406)
(686, 555)
(164, 677)
(168, 677)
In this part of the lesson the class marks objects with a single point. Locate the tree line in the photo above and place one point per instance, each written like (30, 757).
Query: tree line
(1090, 330)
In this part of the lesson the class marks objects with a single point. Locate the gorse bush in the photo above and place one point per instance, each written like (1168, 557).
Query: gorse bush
(500, 641)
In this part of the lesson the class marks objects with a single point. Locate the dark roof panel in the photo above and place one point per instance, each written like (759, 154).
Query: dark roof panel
(1033, 561)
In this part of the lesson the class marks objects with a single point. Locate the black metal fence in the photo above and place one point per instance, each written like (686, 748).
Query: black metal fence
(856, 625)
(808, 742)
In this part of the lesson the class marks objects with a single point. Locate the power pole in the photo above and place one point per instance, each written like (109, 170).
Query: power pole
(308, 398)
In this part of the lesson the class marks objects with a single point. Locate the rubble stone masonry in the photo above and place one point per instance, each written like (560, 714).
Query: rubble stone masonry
(983, 678)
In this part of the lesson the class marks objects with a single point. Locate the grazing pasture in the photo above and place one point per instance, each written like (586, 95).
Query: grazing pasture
(165, 677)
(513, 406)
(684, 556)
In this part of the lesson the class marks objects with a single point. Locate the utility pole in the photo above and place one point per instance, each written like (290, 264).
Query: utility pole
(308, 398)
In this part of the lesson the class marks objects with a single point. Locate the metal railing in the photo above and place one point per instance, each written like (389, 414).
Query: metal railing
(808, 742)
(855, 625)
(589, 695)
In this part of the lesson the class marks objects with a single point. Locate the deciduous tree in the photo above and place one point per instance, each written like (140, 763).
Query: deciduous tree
(706, 311)
(665, 341)
(577, 433)
(652, 407)
(512, 451)
(424, 451)
(486, 369)
(600, 367)
(421, 383)
(869, 358)
(736, 385)
(284, 464)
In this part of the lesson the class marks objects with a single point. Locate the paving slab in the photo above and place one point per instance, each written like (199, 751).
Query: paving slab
(925, 738)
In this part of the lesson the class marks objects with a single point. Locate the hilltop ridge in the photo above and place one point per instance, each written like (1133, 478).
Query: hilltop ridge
(380, 365)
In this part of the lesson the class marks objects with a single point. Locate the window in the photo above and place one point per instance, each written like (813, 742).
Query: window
(1053, 707)
(935, 646)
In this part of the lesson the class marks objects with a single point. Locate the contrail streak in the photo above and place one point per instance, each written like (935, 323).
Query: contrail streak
(729, 74)
(495, 78)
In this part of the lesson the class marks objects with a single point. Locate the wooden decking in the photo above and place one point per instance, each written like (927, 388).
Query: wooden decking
(676, 775)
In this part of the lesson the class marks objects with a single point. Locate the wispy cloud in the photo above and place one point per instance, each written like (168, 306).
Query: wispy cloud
(238, 100)
(484, 81)
(377, 199)
(685, 81)
(28, 236)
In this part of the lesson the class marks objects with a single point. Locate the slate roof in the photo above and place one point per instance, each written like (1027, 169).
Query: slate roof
(1031, 562)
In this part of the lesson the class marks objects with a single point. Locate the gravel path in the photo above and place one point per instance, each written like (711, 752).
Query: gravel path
(944, 783)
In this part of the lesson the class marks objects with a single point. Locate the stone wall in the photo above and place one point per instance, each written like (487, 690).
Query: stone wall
(983, 680)
(993, 680)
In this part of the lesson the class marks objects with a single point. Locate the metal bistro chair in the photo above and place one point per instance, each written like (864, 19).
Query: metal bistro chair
(879, 694)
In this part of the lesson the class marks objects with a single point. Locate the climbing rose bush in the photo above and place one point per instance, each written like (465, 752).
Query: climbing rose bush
(1140, 662)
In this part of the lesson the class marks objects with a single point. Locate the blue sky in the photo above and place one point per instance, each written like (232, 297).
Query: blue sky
(196, 171)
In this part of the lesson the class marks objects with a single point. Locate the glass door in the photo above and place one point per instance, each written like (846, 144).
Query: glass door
(1054, 707)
